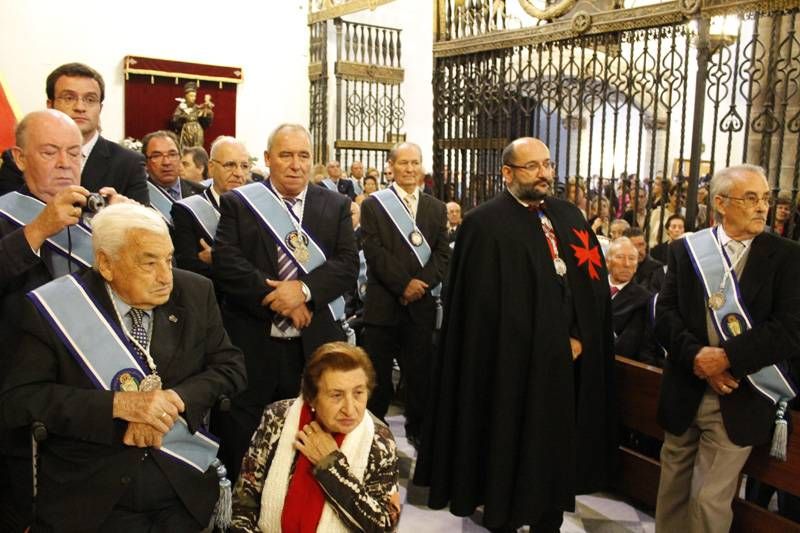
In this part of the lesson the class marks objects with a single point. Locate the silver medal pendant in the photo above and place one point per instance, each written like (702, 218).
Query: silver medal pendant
(716, 300)
(150, 382)
(416, 238)
(561, 266)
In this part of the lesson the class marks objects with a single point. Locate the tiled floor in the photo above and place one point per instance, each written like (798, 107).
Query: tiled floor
(595, 513)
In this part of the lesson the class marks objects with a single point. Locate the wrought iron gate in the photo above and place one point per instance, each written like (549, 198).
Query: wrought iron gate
(614, 95)
(369, 110)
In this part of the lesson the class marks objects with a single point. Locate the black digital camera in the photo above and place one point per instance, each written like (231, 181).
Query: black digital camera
(94, 203)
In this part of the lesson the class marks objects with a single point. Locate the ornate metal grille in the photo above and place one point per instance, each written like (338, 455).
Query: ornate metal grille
(661, 104)
(318, 89)
(370, 110)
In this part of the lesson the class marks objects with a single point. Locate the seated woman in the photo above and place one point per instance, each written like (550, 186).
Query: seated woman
(317, 463)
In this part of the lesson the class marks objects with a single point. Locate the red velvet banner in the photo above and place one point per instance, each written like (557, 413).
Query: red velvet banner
(152, 86)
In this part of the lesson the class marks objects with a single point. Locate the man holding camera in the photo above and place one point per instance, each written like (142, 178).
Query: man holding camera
(40, 239)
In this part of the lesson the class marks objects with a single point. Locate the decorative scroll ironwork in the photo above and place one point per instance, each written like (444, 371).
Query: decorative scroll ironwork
(370, 110)
(618, 105)
(318, 90)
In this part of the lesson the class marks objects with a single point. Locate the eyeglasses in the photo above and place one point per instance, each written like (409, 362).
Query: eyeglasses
(72, 99)
(752, 200)
(231, 166)
(169, 155)
(535, 166)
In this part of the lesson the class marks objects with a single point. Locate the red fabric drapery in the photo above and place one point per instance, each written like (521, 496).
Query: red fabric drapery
(152, 85)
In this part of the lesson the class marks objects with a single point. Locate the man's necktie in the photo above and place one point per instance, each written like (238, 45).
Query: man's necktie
(614, 291)
(734, 249)
(174, 194)
(287, 270)
(139, 332)
(409, 200)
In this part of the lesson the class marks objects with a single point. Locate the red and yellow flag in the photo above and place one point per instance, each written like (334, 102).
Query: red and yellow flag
(9, 116)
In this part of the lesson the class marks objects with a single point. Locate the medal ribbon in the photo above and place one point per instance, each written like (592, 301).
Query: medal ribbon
(552, 243)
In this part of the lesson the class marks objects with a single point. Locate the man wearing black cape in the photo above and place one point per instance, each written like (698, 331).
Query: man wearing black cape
(522, 415)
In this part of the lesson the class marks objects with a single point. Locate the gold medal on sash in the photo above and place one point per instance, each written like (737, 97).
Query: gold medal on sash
(416, 238)
(716, 300)
(298, 244)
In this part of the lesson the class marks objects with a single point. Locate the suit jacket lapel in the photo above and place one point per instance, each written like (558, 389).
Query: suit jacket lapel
(424, 217)
(758, 261)
(210, 197)
(96, 165)
(168, 320)
(312, 214)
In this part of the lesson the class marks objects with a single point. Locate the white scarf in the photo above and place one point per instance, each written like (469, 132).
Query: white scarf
(355, 447)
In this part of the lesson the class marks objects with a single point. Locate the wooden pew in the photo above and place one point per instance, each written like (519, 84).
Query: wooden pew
(638, 386)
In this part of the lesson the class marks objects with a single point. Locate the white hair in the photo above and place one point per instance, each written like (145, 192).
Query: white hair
(722, 182)
(111, 225)
(221, 141)
(618, 243)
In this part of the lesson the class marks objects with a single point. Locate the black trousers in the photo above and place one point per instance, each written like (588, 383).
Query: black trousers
(235, 428)
(412, 345)
(150, 505)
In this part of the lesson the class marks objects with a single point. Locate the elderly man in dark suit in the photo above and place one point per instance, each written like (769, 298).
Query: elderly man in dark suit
(335, 182)
(407, 252)
(164, 183)
(629, 301)
(729, 317)
(78, 91)
(283, 256)
(37, 224)
(124, 388)
(195, 223)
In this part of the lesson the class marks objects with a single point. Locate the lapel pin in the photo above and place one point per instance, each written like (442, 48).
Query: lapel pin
(173, 319)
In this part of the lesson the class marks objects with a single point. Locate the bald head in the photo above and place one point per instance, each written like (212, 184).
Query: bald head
(48, 152)
(622, 259)
(510, 151)
(527, 169)
(453, 214)
(45, 118)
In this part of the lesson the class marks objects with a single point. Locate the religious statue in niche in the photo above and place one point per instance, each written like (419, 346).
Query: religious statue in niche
(190, 118)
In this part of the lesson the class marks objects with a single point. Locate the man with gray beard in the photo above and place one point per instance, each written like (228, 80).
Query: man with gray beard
(521, 418)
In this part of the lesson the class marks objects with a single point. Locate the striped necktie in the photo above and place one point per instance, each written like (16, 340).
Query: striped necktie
(287, 270)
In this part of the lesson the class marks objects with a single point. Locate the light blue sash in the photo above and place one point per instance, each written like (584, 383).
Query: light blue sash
(711, 263)
(101, 349)
(161, 201)
(357, 186)
(204, 213)
(22, 210)
(401, 218)
(276, 218)
(330, 184)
